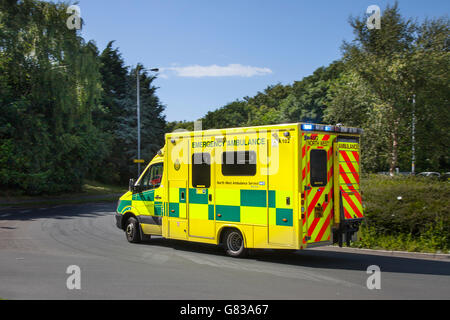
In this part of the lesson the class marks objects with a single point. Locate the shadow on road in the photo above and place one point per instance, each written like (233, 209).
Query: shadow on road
(67, 211)
(320, 259)
(359, 261)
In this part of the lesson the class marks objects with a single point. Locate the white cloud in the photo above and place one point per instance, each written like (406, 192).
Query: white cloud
(232, 70)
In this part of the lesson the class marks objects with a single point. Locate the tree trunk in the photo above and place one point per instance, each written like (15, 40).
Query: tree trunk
(394, 151)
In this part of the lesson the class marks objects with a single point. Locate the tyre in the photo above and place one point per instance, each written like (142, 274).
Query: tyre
(234, 244)
(132, 230)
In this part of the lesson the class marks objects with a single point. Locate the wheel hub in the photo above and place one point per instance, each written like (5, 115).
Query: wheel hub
(130, 228)
(234, 242)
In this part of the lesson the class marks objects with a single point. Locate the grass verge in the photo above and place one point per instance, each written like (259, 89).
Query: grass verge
(92, 192)
(427, 242)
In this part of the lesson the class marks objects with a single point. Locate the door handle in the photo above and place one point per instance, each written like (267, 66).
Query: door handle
(157, 197)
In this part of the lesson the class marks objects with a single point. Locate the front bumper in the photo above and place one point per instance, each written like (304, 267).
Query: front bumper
(118, 220)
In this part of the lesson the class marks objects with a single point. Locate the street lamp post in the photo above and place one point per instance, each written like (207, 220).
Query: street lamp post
(138, 102)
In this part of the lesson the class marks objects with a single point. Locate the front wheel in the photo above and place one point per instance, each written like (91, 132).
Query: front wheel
(234, 244)
(132, 230)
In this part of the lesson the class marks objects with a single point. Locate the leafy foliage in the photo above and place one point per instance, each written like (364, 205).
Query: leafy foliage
(405, 211)
(60, 103)
(68, 111)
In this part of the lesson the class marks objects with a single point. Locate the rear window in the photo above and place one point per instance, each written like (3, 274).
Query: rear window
(318, 167)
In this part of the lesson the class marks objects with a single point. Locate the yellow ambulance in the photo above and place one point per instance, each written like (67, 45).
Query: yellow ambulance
(289, 186)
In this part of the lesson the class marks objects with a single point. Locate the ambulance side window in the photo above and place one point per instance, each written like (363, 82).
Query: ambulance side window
(201, 170)
(152, 177)
(318, 167)
(156, 172)
(239, 163)
(144, 181)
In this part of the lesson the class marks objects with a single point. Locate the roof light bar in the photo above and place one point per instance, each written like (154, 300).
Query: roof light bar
(330, 128)
(319, 127)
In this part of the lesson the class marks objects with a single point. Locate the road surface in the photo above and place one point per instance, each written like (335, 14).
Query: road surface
(38, 245)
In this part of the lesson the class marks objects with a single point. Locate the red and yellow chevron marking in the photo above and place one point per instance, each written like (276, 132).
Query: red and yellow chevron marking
(303, 184)
(318, 229)
(349, 183)
(352, 204)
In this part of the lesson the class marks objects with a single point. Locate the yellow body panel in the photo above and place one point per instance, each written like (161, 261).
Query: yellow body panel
(178, 228)
(151, 229)
(269, 206)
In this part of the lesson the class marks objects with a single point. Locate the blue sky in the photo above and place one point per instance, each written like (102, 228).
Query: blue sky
(214, 52)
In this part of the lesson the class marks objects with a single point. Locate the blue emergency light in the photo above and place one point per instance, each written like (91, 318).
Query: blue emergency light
(329, 128)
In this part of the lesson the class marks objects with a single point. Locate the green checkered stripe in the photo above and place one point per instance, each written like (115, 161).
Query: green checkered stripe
(174, 207)
(233, 213)
(149, 195)
(123, 205)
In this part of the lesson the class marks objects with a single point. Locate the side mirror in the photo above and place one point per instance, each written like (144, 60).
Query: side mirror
(131, 185)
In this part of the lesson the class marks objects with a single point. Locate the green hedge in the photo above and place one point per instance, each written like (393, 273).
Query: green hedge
(405, 213)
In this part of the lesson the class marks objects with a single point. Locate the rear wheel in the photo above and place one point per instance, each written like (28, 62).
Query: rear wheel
(234, 243)
(132, 230)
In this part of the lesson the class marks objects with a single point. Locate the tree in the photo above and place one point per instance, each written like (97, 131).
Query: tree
(309, 97)
(430, 63)
(114, 75)
(176, 125)
(234, 114)
(380, 58)
(153, 122)
(67, 112)
(352, 103)
(400, 63)
(50, 85)
(113, 80)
